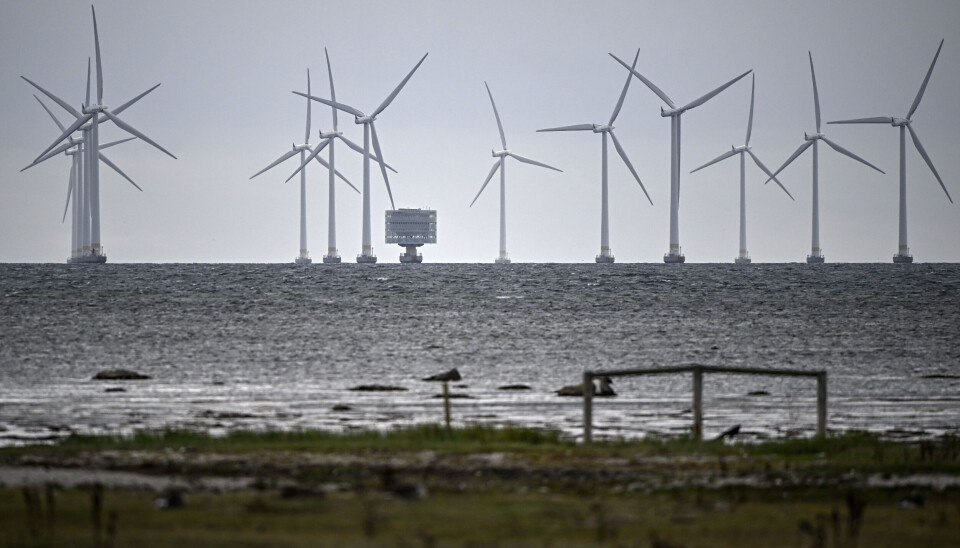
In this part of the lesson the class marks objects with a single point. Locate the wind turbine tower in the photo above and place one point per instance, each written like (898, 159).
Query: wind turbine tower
(369, 129)
(905, 124)
(675, 255)
(744, 257)
(816, 252)
(500, 164)
(606, 254)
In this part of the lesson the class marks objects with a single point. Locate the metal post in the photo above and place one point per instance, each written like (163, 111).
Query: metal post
(697, 403)
(446, 404)
(822, 404)
(587, 407)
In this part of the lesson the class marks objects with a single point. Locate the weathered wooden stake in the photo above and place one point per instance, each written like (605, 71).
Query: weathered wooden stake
(822, 404)
(587, 407)
(446, 404)
(697, 403)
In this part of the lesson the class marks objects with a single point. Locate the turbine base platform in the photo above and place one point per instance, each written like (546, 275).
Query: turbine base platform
(303, 260)
(331, 259)
(92, 258)
(742, 260)
(411, 259)
(502, 260)
(605, 259)
(366, 259)
(673, 259)
(902, 259)
(815, 259)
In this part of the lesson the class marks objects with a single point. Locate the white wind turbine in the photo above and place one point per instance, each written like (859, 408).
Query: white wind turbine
(332, 256)
(744, 257)
(675, 255)
(89, 119)
(80, 213)
(500, 164)
(816, 253)
(606, 254)
(903, 252)
(304, 256)
(366, 254)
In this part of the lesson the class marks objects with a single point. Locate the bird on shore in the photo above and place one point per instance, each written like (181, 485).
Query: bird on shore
(577, 390)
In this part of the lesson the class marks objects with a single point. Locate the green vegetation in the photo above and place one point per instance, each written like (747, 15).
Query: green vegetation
(484, 486)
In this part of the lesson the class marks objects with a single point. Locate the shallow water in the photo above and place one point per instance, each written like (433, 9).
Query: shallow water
(277, 346)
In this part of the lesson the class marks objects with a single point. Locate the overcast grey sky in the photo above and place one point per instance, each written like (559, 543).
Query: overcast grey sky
(225, 109)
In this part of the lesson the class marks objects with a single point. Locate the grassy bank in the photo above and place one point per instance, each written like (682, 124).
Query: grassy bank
(478, 486)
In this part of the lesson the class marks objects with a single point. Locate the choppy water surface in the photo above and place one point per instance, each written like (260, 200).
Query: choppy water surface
(277, 346)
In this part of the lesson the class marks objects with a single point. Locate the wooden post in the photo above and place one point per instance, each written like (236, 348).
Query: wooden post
(822, 404)
(446, 404)
(587, 407)
(697, 403)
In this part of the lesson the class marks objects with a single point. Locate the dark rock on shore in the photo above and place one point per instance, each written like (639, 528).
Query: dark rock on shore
(515, 387)
(452, 375)
(377, 388)
(119, 375)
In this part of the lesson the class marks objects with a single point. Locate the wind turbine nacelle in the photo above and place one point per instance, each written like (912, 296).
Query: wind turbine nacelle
(668, 113)
(499, 154)
(900, 122)
(814, 137)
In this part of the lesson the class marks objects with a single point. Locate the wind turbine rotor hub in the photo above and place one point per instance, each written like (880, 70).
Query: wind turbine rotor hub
(671, 112)
(897, 122)
(90, 109)
(364, 119)
(499, 154)
(602, 128)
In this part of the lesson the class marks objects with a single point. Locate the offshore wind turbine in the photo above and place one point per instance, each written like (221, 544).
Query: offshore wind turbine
(606, 254)
(744, 257)
(366, 253)
(80, 213)
(302, 149)
(89, 118)
(332, 256)
(500, 164)
(674, 113)
(816, 253)
(905, 124)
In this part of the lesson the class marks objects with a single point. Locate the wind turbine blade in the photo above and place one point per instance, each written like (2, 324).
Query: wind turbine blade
(794, 156)
(386, 102)
(333, 93)
(486, 182)
(753, 82)
(65, 105)
(356, 147)
(86, 102)
(874, 120)
(376, 147)
(578, 127)
(51, 154)
(623, 156)
(313, 154)
(653, 88)
(816, 95)
(623, 94)
(279, 160)
(712, 94)
(926, 158)
(503, 139)
(767, 171)
(107, 161)
(115, 143)
(73, 176)
(55, 119)
(519, 158)
(66, 133)
(334, 104)
(96, 42)
(846, 152)
(720, 158)
(306, 134)
(923, 87)
(133, 131)
(130, 103)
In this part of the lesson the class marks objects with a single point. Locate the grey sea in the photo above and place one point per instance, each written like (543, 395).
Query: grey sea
(251, 346)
